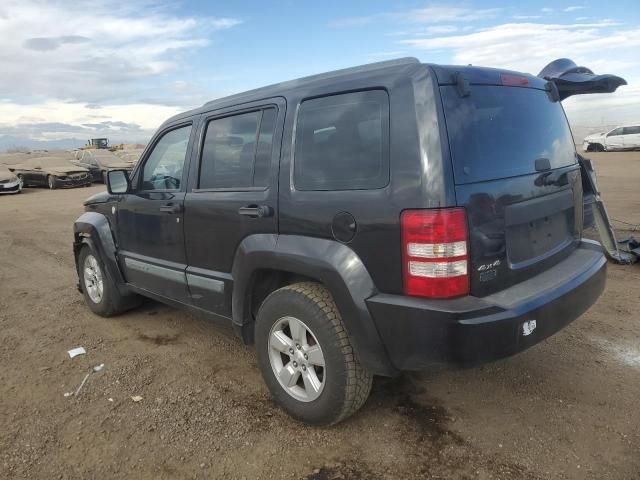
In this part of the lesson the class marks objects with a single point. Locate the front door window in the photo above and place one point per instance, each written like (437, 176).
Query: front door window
(165, 165)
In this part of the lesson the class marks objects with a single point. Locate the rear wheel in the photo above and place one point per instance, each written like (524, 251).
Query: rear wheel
(305, 355)
(99, 290)
(51, 181)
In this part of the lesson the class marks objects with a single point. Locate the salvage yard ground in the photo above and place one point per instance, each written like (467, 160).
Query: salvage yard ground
(568, 408)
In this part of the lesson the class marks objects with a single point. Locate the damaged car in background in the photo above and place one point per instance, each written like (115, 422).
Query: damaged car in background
(99, 162)
(52, 172)
(9, 182)
(619, 139)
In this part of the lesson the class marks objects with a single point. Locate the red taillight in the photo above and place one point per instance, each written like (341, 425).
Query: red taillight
(435, 252)
(514, 80)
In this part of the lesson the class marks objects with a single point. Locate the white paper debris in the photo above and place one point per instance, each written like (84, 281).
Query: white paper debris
(74, 352)
(136, 398)
(97, 368)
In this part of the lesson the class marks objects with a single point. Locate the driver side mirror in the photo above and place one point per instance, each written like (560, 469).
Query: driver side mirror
(118, 181)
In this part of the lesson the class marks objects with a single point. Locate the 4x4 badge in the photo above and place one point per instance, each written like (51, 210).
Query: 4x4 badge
(488, 266)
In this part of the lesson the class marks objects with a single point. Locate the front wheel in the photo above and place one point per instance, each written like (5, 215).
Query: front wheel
(306, 358)
(100, 291)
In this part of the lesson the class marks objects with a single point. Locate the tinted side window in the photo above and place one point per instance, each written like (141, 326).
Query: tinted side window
(264, 149)
(342, 142)
(164, 166)
(631, 130)
(237, 151)
(617, 131)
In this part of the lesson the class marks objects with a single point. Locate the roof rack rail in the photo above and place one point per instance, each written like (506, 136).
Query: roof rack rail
(357, 69)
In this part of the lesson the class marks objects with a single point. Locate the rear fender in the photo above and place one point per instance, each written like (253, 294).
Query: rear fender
(333, 264)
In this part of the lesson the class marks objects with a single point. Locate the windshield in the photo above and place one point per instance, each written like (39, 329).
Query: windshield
(498, 132)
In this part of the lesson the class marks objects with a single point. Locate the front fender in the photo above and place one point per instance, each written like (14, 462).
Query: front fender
(94, 229)
(333, 264)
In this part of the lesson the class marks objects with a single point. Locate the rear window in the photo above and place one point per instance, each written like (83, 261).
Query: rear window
(342, 142)
(498, 132)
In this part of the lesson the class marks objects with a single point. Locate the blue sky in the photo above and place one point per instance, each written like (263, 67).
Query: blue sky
(74, 69)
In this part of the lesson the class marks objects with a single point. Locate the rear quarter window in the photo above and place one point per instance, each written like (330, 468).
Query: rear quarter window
(342, 142)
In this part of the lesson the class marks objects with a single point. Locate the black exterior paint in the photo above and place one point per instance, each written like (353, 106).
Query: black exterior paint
(225, 251)
(420, 333)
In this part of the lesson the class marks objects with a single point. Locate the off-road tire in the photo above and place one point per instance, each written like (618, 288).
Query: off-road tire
(346, 382)
(112, 302)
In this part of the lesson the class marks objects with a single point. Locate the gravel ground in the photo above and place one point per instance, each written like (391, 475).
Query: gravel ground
(565, 409)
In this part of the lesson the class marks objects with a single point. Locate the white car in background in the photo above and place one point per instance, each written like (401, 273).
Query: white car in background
(620, 138)
(9, 182)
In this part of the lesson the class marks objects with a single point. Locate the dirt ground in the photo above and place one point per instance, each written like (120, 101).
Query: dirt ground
(565, 409)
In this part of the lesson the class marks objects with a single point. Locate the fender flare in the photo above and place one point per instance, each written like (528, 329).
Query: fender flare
(94, 229)
(333, 264)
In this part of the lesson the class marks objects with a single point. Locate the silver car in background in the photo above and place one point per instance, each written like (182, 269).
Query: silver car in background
(9, 182)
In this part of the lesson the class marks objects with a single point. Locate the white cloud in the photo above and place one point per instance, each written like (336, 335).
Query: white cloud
(89, 51)
(437, 14)
(54, 119)
(605, 47)
(530, 46)
(547, 10)
(606, 109)
(574, 8)
(426, 15)
(70, 53)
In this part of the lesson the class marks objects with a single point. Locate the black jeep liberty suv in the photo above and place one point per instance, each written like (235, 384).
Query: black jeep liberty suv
(360, 222)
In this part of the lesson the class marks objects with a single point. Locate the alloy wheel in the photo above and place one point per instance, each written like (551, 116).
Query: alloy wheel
(297, 359)
(93, 279)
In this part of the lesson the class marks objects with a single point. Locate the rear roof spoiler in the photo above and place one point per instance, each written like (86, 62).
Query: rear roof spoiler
(570, 79)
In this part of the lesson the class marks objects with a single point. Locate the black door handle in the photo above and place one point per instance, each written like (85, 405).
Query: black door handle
(171, 208)
(256, 211)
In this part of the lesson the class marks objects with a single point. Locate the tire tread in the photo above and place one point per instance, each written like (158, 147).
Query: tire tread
(359, 381)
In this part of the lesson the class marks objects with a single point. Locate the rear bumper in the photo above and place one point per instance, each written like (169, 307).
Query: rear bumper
(419, 333)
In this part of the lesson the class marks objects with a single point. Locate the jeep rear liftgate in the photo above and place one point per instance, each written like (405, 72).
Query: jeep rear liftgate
(568, 79)
(517, 176)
